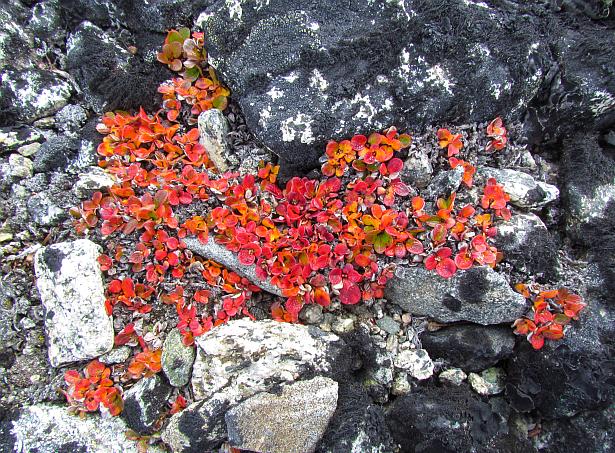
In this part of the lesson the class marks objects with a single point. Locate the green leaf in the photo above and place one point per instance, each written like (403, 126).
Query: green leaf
(193, 73)
(382, 241)
(175, 36)
(184, 32)
(220, 102)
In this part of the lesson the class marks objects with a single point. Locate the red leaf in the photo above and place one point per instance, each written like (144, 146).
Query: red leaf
(350, 293)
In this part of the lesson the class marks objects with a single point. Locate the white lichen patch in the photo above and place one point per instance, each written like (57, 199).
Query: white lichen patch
(314, 26)
(497, 89)
(476, 4)
(264, 116)
(318, 81)
(601, 102)
(235, 11)
(274, 93)
(290, 78)
(366, 110)
(299, 127)
(437, 76)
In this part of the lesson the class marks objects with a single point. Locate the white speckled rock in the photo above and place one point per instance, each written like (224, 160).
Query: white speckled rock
(51, 429)
(177, 359)
(145, 403)
(213, 129)
(488, 382)
(524, 190)
(259, 354)
(70, 283)
(289, 422)
(20, 166)
(417, 362)
(452, 376)
(95, 179)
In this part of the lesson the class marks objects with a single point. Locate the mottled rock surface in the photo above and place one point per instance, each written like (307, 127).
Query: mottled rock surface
(416, 361)
(144, 403)
(524, 190)
(470, 347)
(51, 429)
(177, 359)
(69, 281)
(287, 422)
(213, 130)
(478, 295)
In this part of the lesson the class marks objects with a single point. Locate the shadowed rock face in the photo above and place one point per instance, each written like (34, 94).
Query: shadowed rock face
(304, 74)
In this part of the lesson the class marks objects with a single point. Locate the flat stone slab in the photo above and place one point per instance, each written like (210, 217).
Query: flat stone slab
(293, 421)
(70, 283)
(478, 295)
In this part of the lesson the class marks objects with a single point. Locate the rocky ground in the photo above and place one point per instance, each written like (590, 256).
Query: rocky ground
(434, 366)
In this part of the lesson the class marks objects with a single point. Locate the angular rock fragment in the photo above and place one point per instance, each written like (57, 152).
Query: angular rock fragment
(224, 256)
(478, 295)
(213, 129)
(294, 419)
(416, 361)
(70, 283)
(524, 190)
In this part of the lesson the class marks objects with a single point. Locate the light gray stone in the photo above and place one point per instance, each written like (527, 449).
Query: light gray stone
(478, 295)
(29, 150)
(20, 167)
(71, 117)
(444, 184)
(417, 169)
(416, 362)
(50, 429)
(311, 314)
(342, 325)
(289, 422)
(452, 376)
(43, 210)
(177, 359)
(213, 129)
(144, 403)
(92, 180)
(222, 255)
(488, 382)
(14, 137)
(117, 355)
(401, 386)
(260, 354)
(70, 283)
(524, 190)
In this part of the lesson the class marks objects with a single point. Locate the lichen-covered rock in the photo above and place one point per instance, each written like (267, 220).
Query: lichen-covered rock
(470, 347)
(12, 138)
(224, 256)
(213, 130)
(51, 429)
(452, 376)
(444, 184)
(43, 210)
(20, 167)
(303, 73)
(488, 382)
(294, 419)
(71, 117)
(144, 403)
(93, 180)
(55, 153)
(478, 295)
(416, 361)
(528, 246)
(70, 283)
(177, 359)
(261, 354)
(524, 190)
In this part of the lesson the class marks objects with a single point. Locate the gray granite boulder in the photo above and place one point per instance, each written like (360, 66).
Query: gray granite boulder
(70, 283)
(144, 404)
(294, 419)
(478, 295)
(177, 359)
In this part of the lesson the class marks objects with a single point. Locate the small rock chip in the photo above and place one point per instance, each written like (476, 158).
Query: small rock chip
(20, 167)
(29, 149)
(289, 422)
(444, 184)
(311, 314)
(452, 376)
(144, 403)
(119, 355)
(343, 325)
(70, 283)
(489, 382)
(177, 359)
(94, 179)
(388, 324)
(214, 129)
(417, 362)
(401, 386)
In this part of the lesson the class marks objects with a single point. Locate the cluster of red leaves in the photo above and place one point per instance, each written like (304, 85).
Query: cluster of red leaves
(198, 87)
(552, 311)
(497, 132)
(95, 388)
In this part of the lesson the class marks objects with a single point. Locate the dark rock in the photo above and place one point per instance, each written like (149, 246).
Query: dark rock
(303, 73)
(571, 375)
(161, 15)
(357, 424)
(71, 118)
(451, 420)
(55, 153)
(388, 324)
(110, 76)
(16, 42)
(444, 184)
(528, 246)
(470, 347)
(144, 403)
(32, 93)
(46, 22)
(590, 431)
(478, 295)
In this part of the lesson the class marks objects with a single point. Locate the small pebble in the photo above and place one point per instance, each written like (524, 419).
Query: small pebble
(452, 376)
